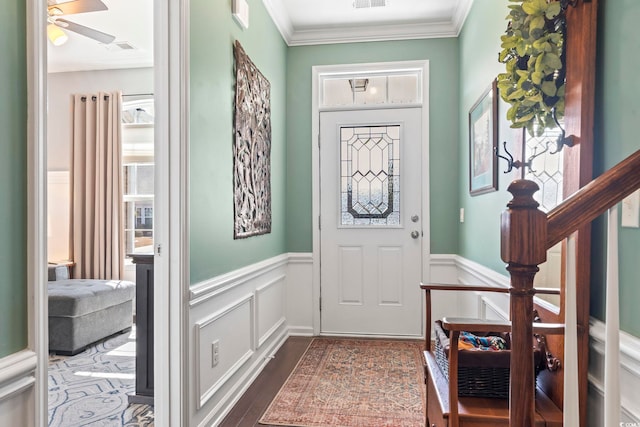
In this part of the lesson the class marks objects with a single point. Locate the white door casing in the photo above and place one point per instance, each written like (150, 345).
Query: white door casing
(171, 81)
(371, 222)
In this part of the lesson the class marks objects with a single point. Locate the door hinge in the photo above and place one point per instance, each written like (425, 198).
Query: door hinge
(320, 300)
(319, 223)
(318, 140)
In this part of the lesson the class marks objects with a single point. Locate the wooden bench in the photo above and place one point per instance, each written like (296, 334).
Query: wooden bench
(444, 407)
(476, 411)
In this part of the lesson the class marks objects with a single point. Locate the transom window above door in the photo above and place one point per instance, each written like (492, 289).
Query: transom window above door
(376, 89)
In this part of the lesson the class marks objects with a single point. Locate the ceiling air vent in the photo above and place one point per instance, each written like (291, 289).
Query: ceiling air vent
(363, 4)
(124, 45)
(119, 46)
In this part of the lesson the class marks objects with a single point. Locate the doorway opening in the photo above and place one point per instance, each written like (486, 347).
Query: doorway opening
(370, 182)
(96, 50)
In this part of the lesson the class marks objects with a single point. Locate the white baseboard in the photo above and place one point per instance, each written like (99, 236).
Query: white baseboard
(300, 331)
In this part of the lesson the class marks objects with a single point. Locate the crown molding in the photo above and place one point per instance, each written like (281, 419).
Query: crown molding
(460, 15)
(280, 18)
(371, 33)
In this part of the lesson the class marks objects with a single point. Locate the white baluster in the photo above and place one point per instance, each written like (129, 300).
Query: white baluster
(612, 327)
(571, 410)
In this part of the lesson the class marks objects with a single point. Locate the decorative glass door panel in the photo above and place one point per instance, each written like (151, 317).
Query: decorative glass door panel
(370, 176)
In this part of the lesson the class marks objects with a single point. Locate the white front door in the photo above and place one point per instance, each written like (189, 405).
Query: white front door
(371, 222)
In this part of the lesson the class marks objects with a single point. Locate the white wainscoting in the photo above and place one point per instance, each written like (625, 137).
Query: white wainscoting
(250, 312)
(453, 269)
(629, 375)
(246, 315)
(17, 389)
(299, 295)
(224, 342)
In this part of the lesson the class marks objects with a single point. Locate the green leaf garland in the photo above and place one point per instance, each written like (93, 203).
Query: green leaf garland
(533, 54)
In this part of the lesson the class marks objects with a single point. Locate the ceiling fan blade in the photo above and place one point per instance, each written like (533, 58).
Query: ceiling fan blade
(77, 6)
(85, 31)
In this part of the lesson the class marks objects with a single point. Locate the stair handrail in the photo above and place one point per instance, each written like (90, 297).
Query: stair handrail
(593, 199)
(526, 234)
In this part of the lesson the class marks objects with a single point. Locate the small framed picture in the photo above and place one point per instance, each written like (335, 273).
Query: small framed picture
(483, 141)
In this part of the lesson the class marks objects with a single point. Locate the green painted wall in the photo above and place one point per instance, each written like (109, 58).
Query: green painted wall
(13, 178)
(443, 69)
(213, 250)
(479, 47)
(617, 118)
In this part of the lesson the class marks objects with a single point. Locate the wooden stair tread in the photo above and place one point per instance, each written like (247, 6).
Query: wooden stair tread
(487, 409)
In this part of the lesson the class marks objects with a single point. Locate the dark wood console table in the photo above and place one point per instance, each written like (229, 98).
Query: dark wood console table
(144, 329)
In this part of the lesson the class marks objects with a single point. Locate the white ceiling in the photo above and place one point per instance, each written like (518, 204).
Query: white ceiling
(301, 22)
(131, 21)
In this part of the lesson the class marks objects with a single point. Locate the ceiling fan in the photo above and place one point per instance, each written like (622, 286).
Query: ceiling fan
(56, 23)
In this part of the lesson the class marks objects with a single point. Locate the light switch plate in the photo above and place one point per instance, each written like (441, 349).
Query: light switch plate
(631, 211)
(240, 11)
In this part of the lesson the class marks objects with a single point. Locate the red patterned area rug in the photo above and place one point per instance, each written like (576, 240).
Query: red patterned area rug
(353, 382)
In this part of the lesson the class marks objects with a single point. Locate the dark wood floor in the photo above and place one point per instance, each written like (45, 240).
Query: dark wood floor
(257, 398)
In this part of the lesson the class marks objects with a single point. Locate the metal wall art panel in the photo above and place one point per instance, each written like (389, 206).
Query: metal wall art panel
(251, 149)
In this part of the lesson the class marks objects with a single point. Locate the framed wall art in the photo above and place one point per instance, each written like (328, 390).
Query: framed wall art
(483, 141)
(251, 149)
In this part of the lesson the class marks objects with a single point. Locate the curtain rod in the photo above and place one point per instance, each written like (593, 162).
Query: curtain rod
(94, 98)
(137, 94)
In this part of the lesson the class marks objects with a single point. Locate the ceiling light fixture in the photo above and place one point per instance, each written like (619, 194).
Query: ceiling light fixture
(55, 11)
(56, 36)
(359, 85)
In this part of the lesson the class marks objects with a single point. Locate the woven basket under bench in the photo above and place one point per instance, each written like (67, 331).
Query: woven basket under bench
(480, 373)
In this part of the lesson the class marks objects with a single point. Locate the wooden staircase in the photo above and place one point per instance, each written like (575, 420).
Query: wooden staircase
(527, 233)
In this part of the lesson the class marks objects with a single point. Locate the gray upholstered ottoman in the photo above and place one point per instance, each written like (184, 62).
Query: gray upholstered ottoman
(83, 311)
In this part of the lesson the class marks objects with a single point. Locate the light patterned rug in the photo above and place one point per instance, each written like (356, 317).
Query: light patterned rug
(91, 388)
(353, 382)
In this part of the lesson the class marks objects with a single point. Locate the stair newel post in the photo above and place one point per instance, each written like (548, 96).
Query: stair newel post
(523, 247)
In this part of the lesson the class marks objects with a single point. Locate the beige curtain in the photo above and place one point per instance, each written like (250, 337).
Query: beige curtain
(97, 234)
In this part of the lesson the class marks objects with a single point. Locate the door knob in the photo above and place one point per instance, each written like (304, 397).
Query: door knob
(415, 218)
(415, 234)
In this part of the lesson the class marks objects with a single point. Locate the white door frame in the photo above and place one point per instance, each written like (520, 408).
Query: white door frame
(171, 133)
(322, 70)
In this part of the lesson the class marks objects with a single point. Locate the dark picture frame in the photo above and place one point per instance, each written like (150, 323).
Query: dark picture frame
(483, 141)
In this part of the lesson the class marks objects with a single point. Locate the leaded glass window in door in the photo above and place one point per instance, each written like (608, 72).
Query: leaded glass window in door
(370, 175)
(546, 169)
